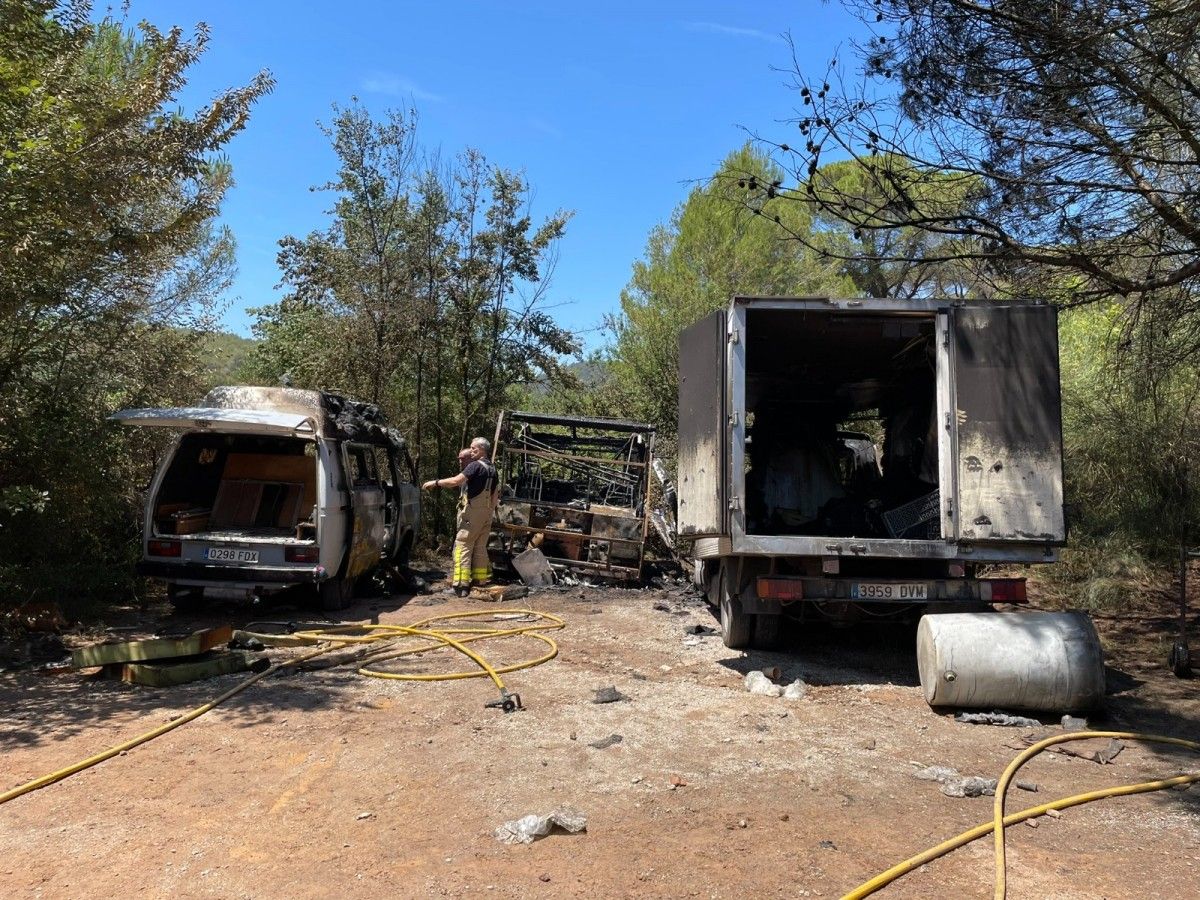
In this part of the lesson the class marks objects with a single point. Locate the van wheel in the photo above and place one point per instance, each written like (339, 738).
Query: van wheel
(185, 599)
(735, 623)
(336, 593)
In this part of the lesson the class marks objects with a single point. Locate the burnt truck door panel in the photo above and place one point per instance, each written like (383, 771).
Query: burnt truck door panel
(333, 506)
(702, 423)
(409, 496)
(1003, 419)
(388, 470)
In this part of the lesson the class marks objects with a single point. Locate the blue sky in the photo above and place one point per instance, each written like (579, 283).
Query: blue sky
(612, 110)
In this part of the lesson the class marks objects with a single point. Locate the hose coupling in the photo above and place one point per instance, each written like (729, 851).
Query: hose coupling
(507, 702)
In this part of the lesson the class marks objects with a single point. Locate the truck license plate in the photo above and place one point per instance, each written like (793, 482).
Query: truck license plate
(230, 554)
(892, 590)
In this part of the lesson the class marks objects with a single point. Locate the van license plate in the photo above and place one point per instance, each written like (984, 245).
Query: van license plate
(895, 590)
(230, 554)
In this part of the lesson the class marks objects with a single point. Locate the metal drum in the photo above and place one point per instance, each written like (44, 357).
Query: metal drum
(1049, 661)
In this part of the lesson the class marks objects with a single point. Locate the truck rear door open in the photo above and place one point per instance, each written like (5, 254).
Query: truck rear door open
(702, 427)
(1001, 425)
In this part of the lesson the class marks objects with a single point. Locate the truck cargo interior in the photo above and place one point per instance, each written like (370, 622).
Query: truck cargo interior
(236, 486)
(840, 416)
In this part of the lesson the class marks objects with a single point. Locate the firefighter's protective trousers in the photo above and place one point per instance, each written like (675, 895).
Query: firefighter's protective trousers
(471, 563)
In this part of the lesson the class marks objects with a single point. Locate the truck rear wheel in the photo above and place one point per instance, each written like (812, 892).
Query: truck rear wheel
(768, 632)
(735, 623)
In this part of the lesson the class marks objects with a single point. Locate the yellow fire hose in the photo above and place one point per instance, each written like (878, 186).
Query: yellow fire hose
(1000, 821)
(351, 634)
(442, 637)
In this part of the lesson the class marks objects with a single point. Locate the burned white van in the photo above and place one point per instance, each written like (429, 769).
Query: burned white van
(271, 487)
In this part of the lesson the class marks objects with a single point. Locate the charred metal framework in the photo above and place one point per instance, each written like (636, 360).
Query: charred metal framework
(575, 486)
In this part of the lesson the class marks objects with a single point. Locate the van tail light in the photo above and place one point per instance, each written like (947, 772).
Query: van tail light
(164, 548)
(302, 554)
(785, 589)
(1007, 590)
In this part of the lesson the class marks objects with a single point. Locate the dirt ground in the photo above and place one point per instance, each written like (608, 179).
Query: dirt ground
(328, 783)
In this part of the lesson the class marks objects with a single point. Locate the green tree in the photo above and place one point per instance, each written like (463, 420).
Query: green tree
(109, 262)
(1070, 128)
(901, 262)
(1131, 427)
(713, 248)
(501, 335)
(426, 293)
(224, 357)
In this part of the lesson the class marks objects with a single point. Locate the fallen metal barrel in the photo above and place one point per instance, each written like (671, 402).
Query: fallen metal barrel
(1049, 661)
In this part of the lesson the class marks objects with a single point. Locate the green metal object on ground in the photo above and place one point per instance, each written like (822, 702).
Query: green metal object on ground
(153, 648)
(172, 673)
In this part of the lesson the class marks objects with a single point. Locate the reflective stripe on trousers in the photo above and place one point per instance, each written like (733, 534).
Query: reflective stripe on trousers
(471, 561)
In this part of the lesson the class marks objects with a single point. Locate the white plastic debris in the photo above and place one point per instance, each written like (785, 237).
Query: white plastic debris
(940, 774)
(956, 785)
(973, 786)
(797, 690)
(527, 829)
(758, 683)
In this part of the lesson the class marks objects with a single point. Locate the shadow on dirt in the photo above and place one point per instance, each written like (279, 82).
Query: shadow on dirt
(38, 709)
(826, 654)
(1142, 695)
(1145, 697)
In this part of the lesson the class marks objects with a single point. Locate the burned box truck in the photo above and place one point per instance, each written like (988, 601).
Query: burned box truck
(866, 458)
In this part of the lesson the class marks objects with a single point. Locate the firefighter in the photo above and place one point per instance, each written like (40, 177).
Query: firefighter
(477, 500)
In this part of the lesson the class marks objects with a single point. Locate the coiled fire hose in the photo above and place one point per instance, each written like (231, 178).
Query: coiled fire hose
(1000, 821)
(435, 638)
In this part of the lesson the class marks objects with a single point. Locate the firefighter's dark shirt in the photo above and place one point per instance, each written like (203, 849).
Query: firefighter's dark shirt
(480, 476)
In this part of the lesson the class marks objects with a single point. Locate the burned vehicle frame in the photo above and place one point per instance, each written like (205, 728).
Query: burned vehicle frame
(576, 487)
(270, 487)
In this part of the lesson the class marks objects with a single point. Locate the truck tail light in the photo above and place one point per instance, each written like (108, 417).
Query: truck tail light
(1007, 590)
(302, 554)
(785, 589)
(164, 548)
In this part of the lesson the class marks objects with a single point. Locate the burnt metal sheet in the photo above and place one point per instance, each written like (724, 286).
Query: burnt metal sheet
(579, 421)
(702, 424)
(885, 548)
(274, 410)
(233, 421)
(1008, 424)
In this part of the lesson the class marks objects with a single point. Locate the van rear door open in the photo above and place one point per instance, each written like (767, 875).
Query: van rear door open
(232, 421)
